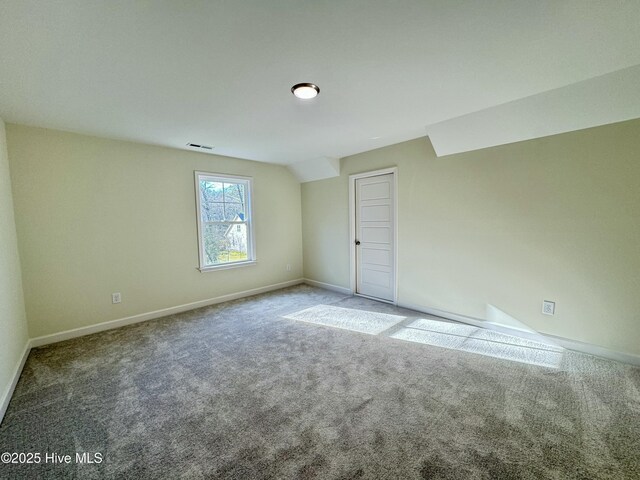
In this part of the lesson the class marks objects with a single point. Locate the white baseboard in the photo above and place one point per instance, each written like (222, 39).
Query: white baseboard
(567, 343)
(476, 322)
(328, 286)
(121, 322)
(6, 395)
(595, 350)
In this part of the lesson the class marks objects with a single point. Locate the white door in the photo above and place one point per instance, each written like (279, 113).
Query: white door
(374, 237)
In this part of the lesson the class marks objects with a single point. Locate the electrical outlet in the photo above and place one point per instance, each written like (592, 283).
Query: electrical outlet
(548, 307)
(288, 267)
(116, 297)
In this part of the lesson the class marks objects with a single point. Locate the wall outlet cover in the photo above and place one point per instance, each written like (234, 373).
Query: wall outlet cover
(116, 298)
(548, 307)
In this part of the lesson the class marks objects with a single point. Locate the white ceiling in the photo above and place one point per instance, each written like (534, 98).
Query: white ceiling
(219, 72)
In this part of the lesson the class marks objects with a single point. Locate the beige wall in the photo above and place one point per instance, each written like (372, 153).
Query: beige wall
(96, 216)
(13, 325)
(555, 218)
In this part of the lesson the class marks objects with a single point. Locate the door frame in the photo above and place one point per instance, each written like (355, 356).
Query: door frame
(352, 229)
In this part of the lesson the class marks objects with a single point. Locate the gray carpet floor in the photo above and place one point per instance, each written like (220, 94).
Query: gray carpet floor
(238, 391)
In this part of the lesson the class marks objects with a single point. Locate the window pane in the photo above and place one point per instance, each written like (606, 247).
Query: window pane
(234, 212)
(212, 212)
(234, 192)
(211, 201)
(211, 191)
(236, 237)
(224, 243)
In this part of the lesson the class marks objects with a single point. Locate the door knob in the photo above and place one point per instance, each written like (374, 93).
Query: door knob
(357, 242)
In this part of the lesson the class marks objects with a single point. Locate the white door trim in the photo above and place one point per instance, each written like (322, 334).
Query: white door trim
(352, 226)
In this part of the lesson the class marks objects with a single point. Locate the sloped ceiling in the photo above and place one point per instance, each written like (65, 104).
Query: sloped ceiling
(610, 98)
(219, 72)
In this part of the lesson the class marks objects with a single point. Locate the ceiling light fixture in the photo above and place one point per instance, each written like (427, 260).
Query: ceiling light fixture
(305, 91)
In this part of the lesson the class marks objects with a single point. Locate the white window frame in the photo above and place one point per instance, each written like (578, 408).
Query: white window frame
(251, 244)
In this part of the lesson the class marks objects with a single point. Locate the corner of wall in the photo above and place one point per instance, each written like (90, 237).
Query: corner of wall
(14, 343)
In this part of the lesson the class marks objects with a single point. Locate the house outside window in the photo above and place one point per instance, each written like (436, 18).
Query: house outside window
(225, 231)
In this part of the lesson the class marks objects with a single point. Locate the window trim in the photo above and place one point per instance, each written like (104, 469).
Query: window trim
(251, 244)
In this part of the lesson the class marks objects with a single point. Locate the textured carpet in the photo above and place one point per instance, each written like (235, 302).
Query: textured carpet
(362, 321)
(479, 340)
(238, 391)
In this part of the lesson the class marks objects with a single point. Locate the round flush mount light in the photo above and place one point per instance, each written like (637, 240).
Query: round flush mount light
(305, 91)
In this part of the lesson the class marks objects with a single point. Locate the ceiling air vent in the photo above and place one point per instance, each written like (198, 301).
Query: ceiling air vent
(200, 147)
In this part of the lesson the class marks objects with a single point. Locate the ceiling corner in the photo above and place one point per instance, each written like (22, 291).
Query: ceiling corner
(316, 169)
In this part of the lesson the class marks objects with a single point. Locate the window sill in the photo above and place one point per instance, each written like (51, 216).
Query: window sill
(226, 266)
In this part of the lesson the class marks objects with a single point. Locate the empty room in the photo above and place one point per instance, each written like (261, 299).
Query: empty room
(355, 239)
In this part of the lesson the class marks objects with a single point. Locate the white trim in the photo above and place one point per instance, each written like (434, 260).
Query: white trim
(595, 350)
(8, 393)
(476, 322)
(226, 266)
(121, 322)
(567, 343)
(251, 238)
(109, 325)
(374, 298)
(328, 286)
(352, 226)
(352, 235)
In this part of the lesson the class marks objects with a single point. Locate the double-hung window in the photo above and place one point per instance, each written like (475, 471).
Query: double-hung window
(225, 230)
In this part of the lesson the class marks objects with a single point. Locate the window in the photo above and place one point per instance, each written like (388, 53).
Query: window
(225, 232)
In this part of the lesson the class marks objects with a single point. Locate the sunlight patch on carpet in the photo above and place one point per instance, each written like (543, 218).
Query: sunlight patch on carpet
(484, 342)
(362, 321)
